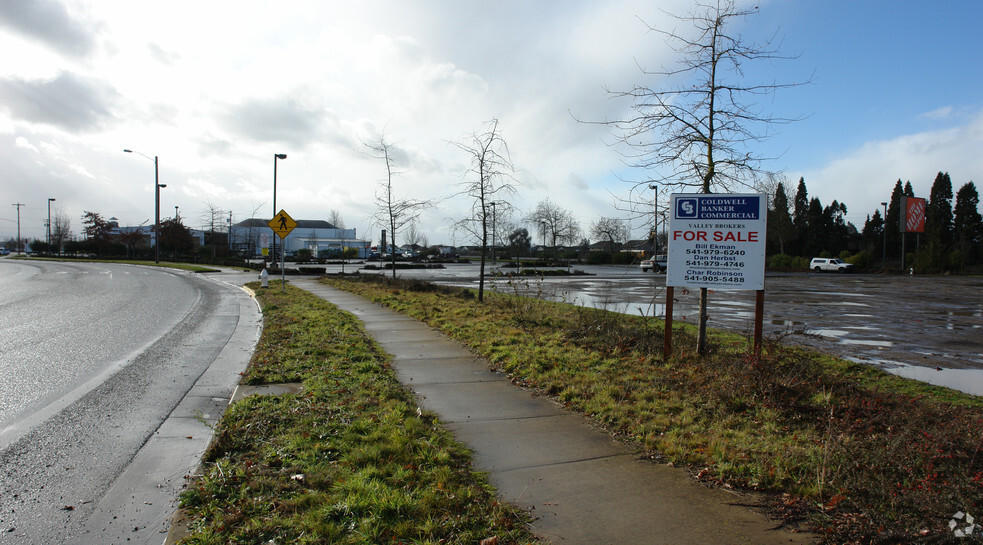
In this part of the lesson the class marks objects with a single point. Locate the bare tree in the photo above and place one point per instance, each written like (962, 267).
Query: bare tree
(492, 179)
(561, 225)
(212, 220)
(61, 231)
(334, 218)
(698, 132)
(391, 210)
(613, 230)
(212, 217)
(412, 235)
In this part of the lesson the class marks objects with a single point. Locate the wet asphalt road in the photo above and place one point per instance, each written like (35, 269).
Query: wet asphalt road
(94, 358)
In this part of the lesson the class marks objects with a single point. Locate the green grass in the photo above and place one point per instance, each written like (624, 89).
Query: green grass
(863, 456)
(349, 460)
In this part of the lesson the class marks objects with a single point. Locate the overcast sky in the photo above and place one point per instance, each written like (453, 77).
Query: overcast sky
(216, 88)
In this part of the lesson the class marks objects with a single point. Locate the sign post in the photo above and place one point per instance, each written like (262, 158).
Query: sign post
(717, 241)
(282, 224)
(912, 221)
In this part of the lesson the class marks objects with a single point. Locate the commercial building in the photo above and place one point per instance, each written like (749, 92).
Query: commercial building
(321, 238)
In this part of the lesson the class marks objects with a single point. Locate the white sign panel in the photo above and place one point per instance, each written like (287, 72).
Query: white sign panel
(717, 241)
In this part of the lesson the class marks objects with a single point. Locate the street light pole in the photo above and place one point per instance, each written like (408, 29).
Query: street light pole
(493, 232)
(49, 223)
(275, 157)
(655, 224)
(18, 205)
(157, 186)
(884, 242)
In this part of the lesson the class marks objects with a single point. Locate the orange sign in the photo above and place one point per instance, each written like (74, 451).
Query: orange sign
(912, 215)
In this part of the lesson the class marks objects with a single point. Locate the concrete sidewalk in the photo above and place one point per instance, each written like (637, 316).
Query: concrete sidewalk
(581, 485)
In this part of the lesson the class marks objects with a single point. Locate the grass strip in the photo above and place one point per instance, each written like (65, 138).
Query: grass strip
(860, 455)
(348, 460)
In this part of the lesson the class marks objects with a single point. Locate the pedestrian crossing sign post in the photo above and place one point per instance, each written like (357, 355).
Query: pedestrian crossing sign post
(282, 224)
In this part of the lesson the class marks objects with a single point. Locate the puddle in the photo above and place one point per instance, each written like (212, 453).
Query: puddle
(786, 323)
(834, 333)
(969, 381)
(867, 342)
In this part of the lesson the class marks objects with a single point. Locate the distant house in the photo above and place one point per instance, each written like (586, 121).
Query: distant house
(320, 237)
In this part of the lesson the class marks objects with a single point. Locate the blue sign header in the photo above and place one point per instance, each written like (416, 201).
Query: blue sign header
(718, 207)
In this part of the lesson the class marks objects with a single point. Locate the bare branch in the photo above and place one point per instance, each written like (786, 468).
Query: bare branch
(699, 131)
(391, 210)
(488, 181)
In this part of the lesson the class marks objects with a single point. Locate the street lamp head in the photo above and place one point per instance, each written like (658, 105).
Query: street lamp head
(161, 185)
(128, 151)
(50, 199)
(281, 156)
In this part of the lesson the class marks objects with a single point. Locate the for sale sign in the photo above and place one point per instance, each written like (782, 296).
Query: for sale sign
(717, 241)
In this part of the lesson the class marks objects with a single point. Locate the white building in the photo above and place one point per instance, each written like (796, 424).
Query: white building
(323, 239)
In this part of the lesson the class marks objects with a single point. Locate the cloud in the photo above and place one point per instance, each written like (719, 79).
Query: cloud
(51, 23)
(161, 55)
(865, 177)
(283, 121)
(940, 113)
(22, 142)
(68, 101)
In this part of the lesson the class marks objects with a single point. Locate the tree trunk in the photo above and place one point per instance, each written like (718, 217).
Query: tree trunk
(481, 272)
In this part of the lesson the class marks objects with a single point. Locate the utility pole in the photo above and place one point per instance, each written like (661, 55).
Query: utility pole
(49, 223)
(655, 225)
(884, 239)
(493, 231)
(18, 205)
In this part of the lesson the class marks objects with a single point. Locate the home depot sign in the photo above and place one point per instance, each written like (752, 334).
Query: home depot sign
(912, 215)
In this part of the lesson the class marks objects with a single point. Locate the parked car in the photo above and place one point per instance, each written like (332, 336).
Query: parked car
(4, 251)
(656, 264)
(821, 264)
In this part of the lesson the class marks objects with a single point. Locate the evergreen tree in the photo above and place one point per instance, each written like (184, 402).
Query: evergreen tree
(938, 217)
(873, 235)
(815, 227)
(968, 224)
(892, 222)
(780, 228)
(835, 234)
(800, 219)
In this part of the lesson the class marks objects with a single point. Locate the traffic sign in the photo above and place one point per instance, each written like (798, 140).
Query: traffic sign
(282, 224)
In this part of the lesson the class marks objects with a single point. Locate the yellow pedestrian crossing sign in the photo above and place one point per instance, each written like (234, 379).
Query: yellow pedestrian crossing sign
(282, 224)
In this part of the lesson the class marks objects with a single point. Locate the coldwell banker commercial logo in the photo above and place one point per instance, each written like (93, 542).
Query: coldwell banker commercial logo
(718, 208)
(686, 208)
